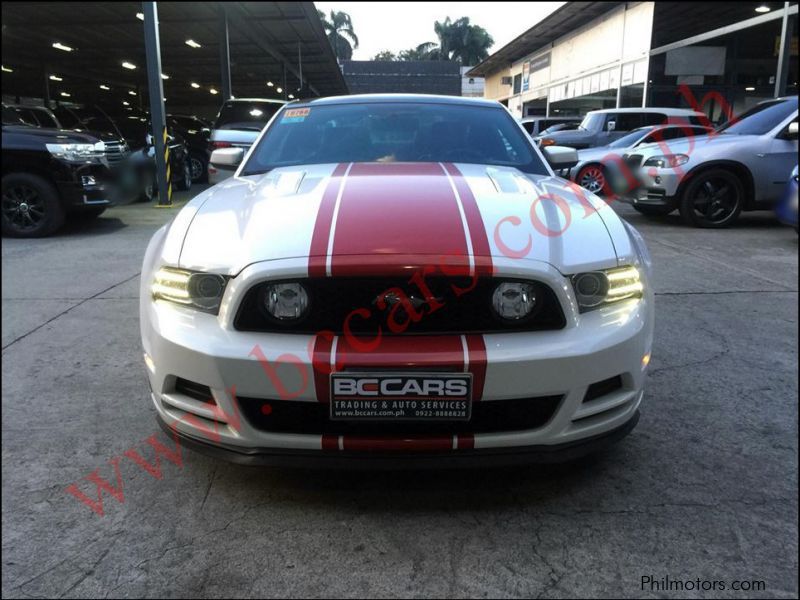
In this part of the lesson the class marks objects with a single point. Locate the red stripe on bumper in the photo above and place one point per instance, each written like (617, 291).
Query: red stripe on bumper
(398, 444)
(477, 364)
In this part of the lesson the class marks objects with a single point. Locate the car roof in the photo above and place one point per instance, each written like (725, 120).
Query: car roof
(397, 98)
(670, 112)
(270, 100)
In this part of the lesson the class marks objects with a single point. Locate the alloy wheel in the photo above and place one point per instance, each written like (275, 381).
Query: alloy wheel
(197, 168)
(23, 207)
(716, 200)
(592, 179)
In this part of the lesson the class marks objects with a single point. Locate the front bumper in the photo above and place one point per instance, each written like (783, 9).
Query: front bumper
(657, 187)
(239, 366)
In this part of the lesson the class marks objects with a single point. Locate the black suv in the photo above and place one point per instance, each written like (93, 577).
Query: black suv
(48, 173)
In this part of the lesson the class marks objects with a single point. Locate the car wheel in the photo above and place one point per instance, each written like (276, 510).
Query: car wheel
(592, 178)
(198, 168)
(30, 206)
(185, 182)
(712, 199)
(653, 211)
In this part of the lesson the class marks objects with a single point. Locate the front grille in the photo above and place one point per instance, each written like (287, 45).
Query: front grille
(333, 300)
(288, 416)
(116, 151)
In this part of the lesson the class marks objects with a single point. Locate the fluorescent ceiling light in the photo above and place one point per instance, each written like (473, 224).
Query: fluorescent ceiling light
(163, 76)
(128, 65)
(270, 84)
(213, 91)
(55, 78)
(65, 94)
(279, 90)
(7, 70)
(763, 9)
(192, 43)
(291, 96)
(60, 46)
(131, 93)
(749, 89)
(256, 113)
(104, 87)
(140, 16)
(195, 85)
(124, 103)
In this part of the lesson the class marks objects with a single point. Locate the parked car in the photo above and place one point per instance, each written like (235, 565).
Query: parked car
(134, 127)
(744, 165)
(505, 345)
(536, 125)
(787, 208)
(571, 126)
(601, 127)
(38, 116)
(49, 173)
(196, 134)
(590, 172)
(237, 126)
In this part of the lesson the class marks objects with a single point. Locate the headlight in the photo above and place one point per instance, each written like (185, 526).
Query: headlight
(202, 291)
(285, 302)
(668, 161)
(597, 288)
(77, 152)
(514, 300)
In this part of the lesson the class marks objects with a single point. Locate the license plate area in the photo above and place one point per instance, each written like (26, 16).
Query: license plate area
(374, 396)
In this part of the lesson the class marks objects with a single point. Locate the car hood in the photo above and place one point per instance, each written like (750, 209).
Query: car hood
(718, 142)
(364, 217)
(55, 136)
(597, 154)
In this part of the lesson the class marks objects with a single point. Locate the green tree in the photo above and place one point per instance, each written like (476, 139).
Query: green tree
(385, 55)
(461, 41)
(339, 29)
(425, 51)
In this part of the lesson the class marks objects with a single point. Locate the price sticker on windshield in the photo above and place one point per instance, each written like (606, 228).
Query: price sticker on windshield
(295, 115)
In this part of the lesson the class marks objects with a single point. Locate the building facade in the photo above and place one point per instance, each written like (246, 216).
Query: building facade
(590, 55)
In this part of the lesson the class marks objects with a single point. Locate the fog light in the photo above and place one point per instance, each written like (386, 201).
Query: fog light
(88, 180)
(657, 179)
(514, 301)
(285, 301)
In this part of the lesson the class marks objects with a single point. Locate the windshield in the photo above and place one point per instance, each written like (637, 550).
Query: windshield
(11, 117)
(760, 119)
(561, 127)
(592, 122)
(394, 132)
(630, 139)
(246, 115)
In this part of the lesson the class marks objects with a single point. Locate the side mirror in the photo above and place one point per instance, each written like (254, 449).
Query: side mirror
(791, 131)
(611, 125)
(227, 157)
(560, 157)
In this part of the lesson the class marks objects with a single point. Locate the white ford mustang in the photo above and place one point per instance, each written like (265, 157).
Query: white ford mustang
(396, 280)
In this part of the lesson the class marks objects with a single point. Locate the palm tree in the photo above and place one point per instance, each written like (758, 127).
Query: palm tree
(339, 28)
(461, 41)
(425, 51)
(385, 55)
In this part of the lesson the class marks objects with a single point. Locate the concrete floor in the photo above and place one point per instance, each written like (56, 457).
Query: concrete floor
(705, 487)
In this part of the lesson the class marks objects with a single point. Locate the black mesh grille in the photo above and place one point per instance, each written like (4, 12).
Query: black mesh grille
(334, 299)
(286, 416)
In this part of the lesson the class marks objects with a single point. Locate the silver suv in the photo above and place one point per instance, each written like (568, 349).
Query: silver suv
(601, 127)
(238, 124)
(743, 165)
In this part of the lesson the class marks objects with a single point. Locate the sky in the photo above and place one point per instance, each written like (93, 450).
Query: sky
(398, 26)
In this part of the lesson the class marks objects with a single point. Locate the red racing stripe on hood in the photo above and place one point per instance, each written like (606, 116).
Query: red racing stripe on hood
(477, 230)
(391, 212)
(322, 226)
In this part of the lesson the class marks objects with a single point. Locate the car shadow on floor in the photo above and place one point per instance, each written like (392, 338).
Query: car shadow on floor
(101, 225)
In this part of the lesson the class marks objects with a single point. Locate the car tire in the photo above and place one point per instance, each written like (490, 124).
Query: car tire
(199, 168)
(185, 183)
(653, 211)
(712, 199)
(30, 206)
(593, 179)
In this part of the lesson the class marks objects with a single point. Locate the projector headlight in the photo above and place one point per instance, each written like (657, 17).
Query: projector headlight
(513, 300)
(202, 291)
(285, 302)
(668, 161)
(598, 288)
(78, 153)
